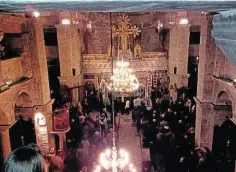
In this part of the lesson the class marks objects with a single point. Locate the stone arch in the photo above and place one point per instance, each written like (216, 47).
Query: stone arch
(223, 98)
(221, 90)
(223, 131)
(223, 107)
(23, 99)
(23, 132)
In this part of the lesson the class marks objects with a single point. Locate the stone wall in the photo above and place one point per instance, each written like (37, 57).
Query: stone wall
(230, 69)
(216, 74)
(11, 69)
(37, 55)
(178, 55)
(96, 40)
(11, 24)
(206, 62)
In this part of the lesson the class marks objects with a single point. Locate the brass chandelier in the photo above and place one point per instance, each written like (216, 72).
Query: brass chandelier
(122, 80)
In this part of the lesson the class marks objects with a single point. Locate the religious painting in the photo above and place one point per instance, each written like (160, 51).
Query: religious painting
(61, 120)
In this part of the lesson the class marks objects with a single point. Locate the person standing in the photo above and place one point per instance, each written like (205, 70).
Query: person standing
(127, 107)
(138, 117)
(102, 122)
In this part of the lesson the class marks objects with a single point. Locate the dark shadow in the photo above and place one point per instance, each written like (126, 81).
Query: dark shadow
(22, 133)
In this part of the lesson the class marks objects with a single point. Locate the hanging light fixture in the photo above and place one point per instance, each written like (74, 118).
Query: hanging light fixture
(121, 80)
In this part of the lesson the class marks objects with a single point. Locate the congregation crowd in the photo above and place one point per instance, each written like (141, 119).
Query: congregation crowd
(168, 131)
(165, 126)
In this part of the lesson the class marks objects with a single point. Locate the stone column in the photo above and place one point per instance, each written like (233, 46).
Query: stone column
(204, 124)
(178, 54)
(205, 113)
(38, 62)
(206, 64)
(5, 142)
(26, 58)
(70, 57)
(34, 26)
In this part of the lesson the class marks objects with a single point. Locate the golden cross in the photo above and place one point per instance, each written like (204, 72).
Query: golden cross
(124, 30)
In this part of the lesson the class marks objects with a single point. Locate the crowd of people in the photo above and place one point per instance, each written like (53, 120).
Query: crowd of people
(168, 130)
(165, 126)
(88, 136)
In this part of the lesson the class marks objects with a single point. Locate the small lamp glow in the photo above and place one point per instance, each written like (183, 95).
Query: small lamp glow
(183, 21)
(36, 14)
(65, 21)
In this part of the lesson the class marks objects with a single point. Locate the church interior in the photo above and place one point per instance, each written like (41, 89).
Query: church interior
(57, 68)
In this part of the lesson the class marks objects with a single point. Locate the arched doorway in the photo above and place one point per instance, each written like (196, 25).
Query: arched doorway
(23, 100)
(224, 140)
(23, 131)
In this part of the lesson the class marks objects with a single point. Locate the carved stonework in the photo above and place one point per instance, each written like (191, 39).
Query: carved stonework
(137, 65)
(90, 58)
(149, 55)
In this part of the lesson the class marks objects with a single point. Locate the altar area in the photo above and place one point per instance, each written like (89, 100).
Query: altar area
(151, 68)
